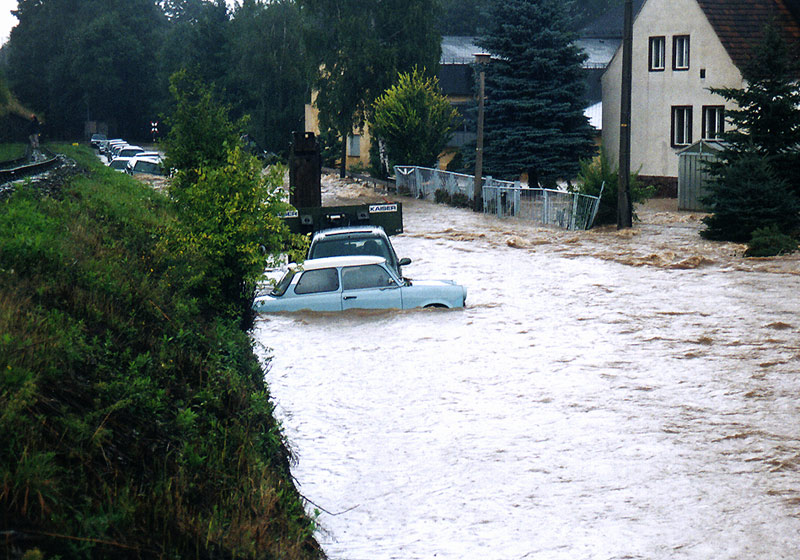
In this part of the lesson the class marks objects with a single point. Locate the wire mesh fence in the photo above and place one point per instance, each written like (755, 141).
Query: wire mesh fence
(550, 207)
(423, 182)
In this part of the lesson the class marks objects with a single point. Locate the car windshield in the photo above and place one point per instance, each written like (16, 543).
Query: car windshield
(334, 247)
(147, 167)
(119, 164)
(283, 284)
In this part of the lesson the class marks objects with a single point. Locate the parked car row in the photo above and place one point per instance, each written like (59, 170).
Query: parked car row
(127, 158)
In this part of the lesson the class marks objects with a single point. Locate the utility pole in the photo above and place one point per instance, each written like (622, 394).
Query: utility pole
(482, 59)
(624, 205)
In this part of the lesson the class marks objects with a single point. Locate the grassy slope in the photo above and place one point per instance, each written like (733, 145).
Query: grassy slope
(130, 426)
(11, 151)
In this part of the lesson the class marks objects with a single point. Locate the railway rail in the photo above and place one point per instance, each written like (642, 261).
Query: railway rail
(24, 167)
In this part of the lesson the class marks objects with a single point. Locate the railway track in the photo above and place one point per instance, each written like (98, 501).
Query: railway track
(43, 160)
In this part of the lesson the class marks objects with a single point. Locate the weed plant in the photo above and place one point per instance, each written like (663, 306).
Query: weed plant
(599, 173)
(132, 425)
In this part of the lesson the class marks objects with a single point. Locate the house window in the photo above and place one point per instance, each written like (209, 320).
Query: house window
(681, 126)
(656, 54)
(354, 145)
(713, 122)
(680, 52)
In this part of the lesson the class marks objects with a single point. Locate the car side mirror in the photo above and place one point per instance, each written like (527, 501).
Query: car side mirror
(404, 261)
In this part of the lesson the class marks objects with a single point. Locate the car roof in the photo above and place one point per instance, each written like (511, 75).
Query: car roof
(349, 230)
(352, 260)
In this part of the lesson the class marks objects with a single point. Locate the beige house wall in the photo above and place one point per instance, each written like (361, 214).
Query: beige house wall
(655, 93)
(312, 125)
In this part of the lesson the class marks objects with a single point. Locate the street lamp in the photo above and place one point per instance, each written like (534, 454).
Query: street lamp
(482, 59)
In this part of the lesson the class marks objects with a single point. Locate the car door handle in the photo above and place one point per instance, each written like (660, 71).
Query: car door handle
(350, 297)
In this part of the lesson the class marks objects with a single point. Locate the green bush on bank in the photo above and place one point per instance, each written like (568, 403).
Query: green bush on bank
(599, 173)
(131, 424)
(770, 242)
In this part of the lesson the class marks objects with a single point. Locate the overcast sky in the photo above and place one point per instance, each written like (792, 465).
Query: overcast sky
(7, 21)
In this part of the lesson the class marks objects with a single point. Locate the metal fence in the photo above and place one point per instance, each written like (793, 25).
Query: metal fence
(505, 199)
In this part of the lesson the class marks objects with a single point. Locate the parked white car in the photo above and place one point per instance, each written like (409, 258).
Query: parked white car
(120, 164)
(149, 165)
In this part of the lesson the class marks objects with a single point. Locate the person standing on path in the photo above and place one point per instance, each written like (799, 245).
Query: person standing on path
(33, 132)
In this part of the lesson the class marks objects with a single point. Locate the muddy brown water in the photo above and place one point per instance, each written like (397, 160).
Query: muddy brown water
(605, 394)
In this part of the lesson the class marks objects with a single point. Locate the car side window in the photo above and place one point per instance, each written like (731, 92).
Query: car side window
(317, 281)
(369, 276)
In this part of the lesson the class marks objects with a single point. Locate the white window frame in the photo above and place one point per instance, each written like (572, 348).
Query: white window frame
(713, 122)
(680, 52)
(656, 57)
(681, 129)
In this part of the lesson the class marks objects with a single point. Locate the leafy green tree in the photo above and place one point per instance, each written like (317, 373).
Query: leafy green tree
(414, 119)
(229, 204)
(90, 59)
(534, 119)
(268, 71)
(466, 17)
(197, 38)
(461, 17)
(201, 131)
(359, 46)
(756, 178)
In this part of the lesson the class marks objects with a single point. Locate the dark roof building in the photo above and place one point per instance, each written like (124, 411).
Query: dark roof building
(739, 24)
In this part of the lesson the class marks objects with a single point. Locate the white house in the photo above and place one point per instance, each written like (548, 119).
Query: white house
(681, 48)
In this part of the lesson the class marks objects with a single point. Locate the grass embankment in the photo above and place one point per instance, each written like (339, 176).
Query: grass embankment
(131, 425)
(12, 151)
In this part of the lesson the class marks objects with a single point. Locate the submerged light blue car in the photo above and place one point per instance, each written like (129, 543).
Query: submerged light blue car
(355, 282)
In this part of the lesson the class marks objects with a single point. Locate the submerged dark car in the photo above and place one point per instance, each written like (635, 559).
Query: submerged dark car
(356, 240)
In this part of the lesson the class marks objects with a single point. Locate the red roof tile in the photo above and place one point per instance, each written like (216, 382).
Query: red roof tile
(739, 24)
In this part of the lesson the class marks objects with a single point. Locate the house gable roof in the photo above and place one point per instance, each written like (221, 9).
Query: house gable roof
(739, 24)
(611, 24)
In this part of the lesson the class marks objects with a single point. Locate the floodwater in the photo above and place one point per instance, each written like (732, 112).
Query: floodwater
(605, 395)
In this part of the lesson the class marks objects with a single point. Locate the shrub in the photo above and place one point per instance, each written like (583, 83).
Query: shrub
(594, 173)
(769, 242)
(442, 196)
(461, 200)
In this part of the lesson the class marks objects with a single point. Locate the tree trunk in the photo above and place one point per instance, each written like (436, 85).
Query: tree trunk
(343, 166)
(533, 178)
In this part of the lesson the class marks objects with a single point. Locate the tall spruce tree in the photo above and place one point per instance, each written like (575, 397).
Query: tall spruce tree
(534, 119)
(763, 142)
